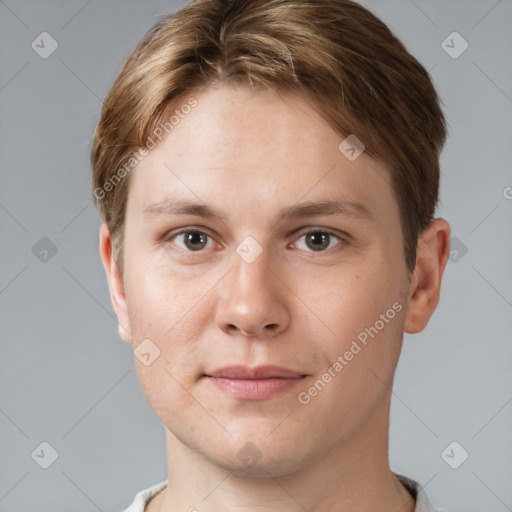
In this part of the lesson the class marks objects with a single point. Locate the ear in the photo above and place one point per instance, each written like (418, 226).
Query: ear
(431, 257)
(115, 283)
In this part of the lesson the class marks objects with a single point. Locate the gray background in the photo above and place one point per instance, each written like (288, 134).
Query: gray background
(67, 378)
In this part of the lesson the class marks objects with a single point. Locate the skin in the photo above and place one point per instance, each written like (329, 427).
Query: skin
(249, 155)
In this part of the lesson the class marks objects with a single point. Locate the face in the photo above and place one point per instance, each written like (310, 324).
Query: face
(291, 257)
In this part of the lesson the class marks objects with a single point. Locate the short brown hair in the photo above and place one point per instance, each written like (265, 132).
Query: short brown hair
(343, 60)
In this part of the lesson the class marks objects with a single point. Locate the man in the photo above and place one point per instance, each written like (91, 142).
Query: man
(268, 172)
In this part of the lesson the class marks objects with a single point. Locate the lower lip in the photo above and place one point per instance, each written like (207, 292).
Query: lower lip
(254, 389)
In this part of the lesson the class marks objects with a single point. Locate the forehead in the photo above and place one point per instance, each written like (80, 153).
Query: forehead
(239, 148)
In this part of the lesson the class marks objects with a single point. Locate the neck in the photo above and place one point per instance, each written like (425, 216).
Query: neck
(354, 476)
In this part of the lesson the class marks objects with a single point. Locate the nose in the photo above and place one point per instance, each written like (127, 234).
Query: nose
(253, 299)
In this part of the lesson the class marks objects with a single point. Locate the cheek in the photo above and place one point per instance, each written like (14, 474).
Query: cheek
(348, 300)
(363, 312)
(161, 303)
(167, 312)
(171, 314)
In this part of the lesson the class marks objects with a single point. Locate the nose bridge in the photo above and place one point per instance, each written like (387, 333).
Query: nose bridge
(252, 299)
(251, 263)
(252, 275)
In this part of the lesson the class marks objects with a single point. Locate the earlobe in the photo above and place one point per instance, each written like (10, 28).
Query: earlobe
(431, 257)
(115, 283)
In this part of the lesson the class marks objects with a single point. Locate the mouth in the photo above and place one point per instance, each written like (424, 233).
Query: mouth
(258, 383)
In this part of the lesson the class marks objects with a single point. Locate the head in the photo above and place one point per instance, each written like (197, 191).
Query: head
(308, 139)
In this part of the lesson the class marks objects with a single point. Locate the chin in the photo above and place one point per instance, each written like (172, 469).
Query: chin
(262, 456)
(263, 467)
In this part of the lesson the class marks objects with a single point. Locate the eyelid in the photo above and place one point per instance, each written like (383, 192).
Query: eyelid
(318, 229)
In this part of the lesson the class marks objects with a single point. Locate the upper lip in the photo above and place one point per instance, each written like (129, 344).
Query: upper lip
(257, 372)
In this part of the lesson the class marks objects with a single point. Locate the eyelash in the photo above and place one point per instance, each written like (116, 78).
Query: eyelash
(343, 240)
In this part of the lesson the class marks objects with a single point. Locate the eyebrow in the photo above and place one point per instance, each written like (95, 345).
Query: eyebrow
(171, 207)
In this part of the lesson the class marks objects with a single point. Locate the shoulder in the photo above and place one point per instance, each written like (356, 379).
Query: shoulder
(423, 504)
(142, 497)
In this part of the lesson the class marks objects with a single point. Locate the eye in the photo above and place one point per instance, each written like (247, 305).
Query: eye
(316, 240)
(319, 240)
(192, 240)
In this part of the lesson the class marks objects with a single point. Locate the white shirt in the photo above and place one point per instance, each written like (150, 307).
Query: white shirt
(422, 503)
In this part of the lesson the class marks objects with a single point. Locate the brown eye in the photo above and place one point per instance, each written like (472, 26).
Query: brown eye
(191, 240)
(319, 240)
(195, 240)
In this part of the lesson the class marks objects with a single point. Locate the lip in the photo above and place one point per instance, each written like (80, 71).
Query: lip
(257, 372)
(257, 383)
